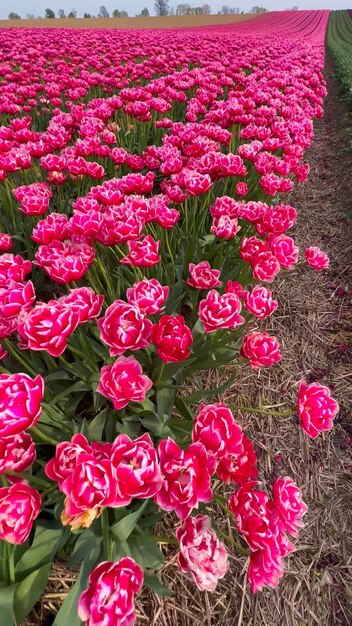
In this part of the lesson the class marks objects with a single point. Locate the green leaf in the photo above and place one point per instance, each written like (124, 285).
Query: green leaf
(165, 399)
(68, 616)
(85, 542)
(176, 294)
(42, 550)
(96, 426)
(57, 375)
(150, 519)
(154, 424)
(226, 355)
(78, 387)
(153, 582)
(122, 529)
(29, 590)
(146, 552)
(6, 604)
(197, 396)
(183, 409)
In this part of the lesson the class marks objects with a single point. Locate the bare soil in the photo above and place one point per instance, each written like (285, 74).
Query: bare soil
(314, 324)
(169, 21)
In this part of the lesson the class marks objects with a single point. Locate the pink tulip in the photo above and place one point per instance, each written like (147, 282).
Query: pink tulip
(202, 556)
(261, 349)
(172, 338)
(109, 599)
(259, 302)
(144, 253)
(19, 507)
(316, 408)
(317, 258)
(136, 466)
(124, 327)
(17, 453)
(217, 311)
(216, 429)
(289, 505)
(124, 382)
(202, 276)
(20, 402)
(148, 295)
(187, 474)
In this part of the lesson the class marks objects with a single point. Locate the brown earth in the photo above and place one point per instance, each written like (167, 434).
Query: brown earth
(179, 21)
(314, 325)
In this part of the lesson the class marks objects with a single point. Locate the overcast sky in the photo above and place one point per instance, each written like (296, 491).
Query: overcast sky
(37, 7)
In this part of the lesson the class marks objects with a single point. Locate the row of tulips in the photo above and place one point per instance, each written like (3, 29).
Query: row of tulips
(115, 296)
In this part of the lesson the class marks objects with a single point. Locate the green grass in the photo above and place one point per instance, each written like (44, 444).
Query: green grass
(339, 43)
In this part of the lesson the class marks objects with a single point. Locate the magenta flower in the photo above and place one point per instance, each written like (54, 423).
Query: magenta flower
(187, 474)
(261, 349)
(124, 382)
(124, 327)
(202, 556)
(317, 258)
(217, 311)
(19, 507)
(20, 402)
(109, 599)
(316, 408)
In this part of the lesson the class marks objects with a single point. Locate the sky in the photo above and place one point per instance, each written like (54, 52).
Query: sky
(37, 7)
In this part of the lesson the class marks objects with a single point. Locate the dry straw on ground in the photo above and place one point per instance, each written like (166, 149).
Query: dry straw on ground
(314, 326)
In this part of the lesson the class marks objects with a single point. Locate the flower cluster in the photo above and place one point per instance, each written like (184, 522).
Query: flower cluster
(99, 475)
(263, 523)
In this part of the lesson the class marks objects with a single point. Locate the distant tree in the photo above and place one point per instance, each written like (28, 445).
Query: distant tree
(258, 10)
(295, 8)
(103, 12)
(172, 11)
(14, 16)
(29, 16)
(61, 13)
(144, 12)
(225, 10)
(183, 9)
(87, 15)
(161, 7)
(117, 13)
(49, 13)
(206, 9)
(72, 13)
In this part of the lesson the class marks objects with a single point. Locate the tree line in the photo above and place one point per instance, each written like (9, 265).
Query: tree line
(161, 8)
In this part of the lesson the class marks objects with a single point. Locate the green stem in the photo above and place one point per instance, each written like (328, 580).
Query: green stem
(14, 353)
(11, 563)
(166, 540)
(250, 409)
(42, 437)
(105, 527)
(3, 547)
(234, 543)
(221, 502)
(160, 377)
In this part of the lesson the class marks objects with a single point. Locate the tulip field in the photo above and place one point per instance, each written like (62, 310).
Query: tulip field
(146, 215)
